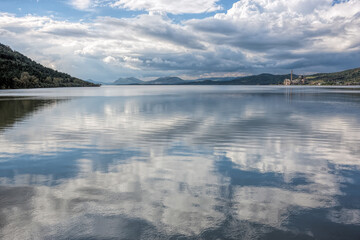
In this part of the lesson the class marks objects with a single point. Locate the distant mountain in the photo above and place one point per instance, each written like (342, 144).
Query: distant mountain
(217, 79)
(96, 82)
(261, 79)
(127, 81)
(348, 77)
(166, 81)
(19, 71)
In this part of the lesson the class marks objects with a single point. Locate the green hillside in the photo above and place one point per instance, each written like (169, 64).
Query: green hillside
(19, 71)
(348, 77)
(261, 79)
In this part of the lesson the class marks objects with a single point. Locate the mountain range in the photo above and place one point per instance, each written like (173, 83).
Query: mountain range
(161, 81)
(166, 81)
(19, 71)
(158, 81)
(127, 81)
(347, 77)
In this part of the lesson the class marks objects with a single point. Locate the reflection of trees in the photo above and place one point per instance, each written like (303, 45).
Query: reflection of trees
(13, 110)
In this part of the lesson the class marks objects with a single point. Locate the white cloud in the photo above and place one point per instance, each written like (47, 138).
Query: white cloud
(320, 25)
(81, 4)
(109, 59)
(293, 30)
(270, 206)
(175, 7)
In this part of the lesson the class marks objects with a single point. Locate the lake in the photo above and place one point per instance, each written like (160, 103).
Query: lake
(180, 162)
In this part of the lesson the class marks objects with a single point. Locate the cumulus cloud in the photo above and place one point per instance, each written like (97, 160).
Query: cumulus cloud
(263, 25)
(81, 4)
(297, 28)
(175, 7)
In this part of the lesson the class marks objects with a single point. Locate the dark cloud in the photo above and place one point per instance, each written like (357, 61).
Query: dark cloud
(173, 35)
(156, 27)
(222, 60)
(69, 32)
(335, 61)
(213, 26)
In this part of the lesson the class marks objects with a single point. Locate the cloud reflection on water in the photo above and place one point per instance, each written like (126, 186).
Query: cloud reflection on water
(172, 165)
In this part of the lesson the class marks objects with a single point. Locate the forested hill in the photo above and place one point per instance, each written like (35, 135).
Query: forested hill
(261, 79)
(19, 71)
(347, 77)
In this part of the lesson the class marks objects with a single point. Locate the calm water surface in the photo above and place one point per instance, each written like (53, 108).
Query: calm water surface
(180, 162)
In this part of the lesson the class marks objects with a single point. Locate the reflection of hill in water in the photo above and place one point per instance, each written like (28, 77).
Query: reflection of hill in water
(16, 109)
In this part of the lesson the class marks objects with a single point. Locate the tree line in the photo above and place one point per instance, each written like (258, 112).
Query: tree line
(19, 71)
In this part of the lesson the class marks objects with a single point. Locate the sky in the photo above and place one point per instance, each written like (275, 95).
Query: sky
(104, 40)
